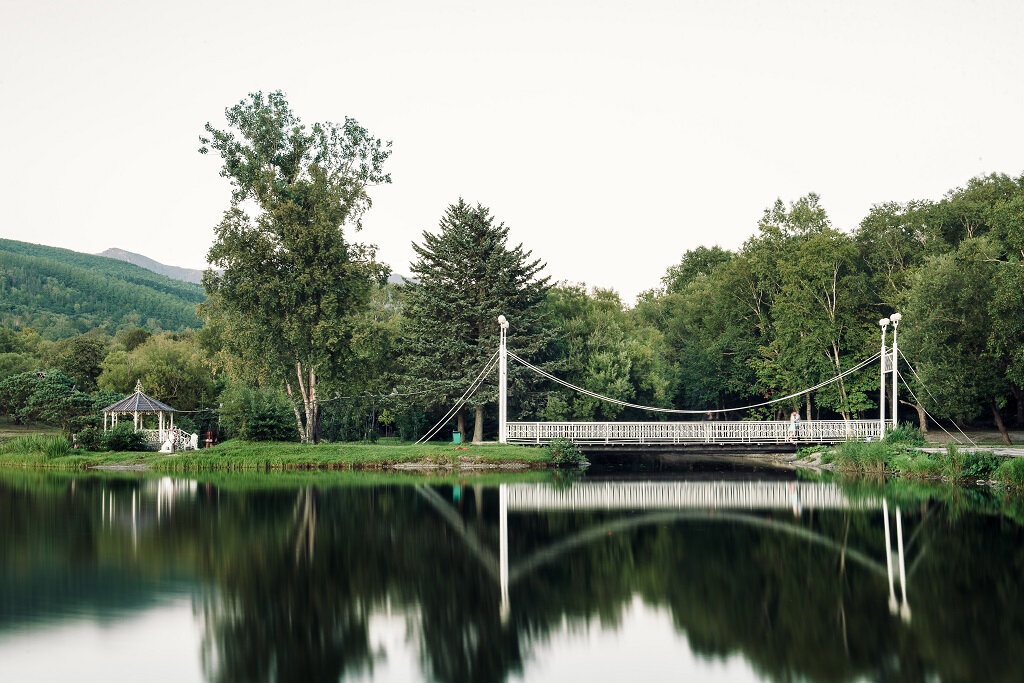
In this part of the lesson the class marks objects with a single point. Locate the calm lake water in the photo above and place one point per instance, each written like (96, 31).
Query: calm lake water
(700, 573)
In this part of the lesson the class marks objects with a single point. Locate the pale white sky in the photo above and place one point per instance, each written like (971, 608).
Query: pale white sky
(610, 136)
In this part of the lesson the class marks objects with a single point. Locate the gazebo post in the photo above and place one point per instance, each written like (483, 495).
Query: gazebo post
(161, 426)
(136, 416)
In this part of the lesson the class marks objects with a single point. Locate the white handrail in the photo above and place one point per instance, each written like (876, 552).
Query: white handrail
(773, 432)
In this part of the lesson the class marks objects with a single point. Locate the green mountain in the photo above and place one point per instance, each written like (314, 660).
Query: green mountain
(61, 293)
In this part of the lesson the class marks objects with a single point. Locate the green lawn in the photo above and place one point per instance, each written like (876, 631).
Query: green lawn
(9, 430)
(241, 455)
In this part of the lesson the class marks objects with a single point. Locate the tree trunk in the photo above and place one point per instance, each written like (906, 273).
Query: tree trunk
(313, 416)
(295, 408)
(1019, 395)
(1000, 424)
(808, 395)
(461, 422)
(309, 420)
(478, 425)
(922, 417)
(845, 402)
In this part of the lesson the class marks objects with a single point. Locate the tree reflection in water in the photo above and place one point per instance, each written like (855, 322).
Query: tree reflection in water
(289, 578)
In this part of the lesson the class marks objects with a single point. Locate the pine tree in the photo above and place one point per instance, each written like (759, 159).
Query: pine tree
(466, 276)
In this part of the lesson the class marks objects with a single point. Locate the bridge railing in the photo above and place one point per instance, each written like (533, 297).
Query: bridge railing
(809, 431)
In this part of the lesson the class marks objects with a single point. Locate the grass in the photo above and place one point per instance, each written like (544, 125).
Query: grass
(953, 465)
(9, 430)
(241, 455)
(1011, 474)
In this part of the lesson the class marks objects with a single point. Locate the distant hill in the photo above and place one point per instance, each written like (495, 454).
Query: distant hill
(189, 274)
(61, 292)
(174, 272)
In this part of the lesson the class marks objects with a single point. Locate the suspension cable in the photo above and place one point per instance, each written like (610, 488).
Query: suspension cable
(675, 411)
(472, 389)
(935, 400)
(905, 384)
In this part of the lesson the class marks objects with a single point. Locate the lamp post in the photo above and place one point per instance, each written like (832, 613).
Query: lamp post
(884, 324)
(503, 381)
(895, 318)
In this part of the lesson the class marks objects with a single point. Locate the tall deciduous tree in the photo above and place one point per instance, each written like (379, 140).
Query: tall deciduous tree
(291, 283)
(950, 333)
(468, 275)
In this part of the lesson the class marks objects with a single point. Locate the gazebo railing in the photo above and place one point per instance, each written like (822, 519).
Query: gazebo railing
(183, 440)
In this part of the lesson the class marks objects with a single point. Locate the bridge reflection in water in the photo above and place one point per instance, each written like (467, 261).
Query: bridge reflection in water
(668, 502)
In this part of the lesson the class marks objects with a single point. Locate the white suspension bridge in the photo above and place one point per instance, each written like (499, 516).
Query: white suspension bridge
(669, 433)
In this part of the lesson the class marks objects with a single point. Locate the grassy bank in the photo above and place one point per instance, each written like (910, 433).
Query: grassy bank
(49, 452)
(905, 459)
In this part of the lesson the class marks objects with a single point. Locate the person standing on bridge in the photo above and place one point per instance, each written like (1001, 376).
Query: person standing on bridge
(794, 426)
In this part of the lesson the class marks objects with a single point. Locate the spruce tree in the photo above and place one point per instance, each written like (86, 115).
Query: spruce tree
(466, 276)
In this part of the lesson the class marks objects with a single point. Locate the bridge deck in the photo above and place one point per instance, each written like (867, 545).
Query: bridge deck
(749, 432)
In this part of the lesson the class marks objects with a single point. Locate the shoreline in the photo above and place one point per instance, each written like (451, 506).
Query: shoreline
(271, 456)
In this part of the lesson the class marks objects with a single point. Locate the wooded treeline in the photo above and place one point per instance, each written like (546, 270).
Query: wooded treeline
(304, 338)
(798, 302)
(60, 293)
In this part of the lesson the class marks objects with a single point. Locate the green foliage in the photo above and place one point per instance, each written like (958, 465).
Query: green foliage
(862, 456)
(905, 434)
(291, 283)
(49, 397)
(81, 358)
(134, 338)
(172, 369)
(62, 293)
(606, 349)
(257, 414)
(1011, 473)
(41, 445)
(468, 275)
(123, 437)
(952, 463)
(565, 453)
(90, 438)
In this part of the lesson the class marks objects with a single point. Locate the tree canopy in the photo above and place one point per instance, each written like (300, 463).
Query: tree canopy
(292, 283)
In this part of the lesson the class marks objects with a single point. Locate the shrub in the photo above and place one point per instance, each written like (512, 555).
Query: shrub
(1011, 473)
(258, 415)
(90, 438)
(565, 453)
(56, 446)
(952, 462)
(123, 437)
(906, 434)
(862, 456)
(915, 464)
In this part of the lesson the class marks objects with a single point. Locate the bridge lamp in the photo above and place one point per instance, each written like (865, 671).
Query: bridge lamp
(503, 380)
(895, 318)
(884, 324)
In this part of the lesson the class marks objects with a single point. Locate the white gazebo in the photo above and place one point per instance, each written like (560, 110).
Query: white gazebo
(138, 405)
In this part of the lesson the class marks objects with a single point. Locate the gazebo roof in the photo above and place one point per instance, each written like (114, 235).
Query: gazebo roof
(139, 403)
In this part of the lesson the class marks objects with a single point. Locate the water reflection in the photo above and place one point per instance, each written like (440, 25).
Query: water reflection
(322, 578)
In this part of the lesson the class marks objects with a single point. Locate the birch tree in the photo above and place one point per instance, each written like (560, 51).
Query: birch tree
(286, 279)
